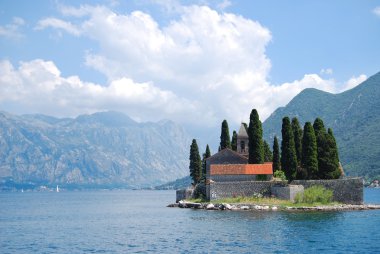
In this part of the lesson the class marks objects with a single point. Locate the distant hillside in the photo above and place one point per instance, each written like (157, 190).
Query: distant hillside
(106, 148)
(181, 183)
(354, 116)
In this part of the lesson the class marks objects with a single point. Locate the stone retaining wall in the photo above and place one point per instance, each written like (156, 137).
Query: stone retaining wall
(346, 190)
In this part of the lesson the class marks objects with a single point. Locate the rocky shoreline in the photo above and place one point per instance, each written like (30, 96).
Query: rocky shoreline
(256, 207)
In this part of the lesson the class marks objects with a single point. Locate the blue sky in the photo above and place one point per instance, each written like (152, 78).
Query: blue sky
(194, 62)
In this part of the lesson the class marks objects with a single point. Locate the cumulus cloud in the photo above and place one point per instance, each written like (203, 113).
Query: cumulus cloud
(37, 86)
(200, 68)
(12, 30)
(354, 81)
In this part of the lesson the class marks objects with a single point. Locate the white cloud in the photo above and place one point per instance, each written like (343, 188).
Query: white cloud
(376, 11)
(58, 24)
(12, 30)
(37, 86)
(200, 68)
(354, 81)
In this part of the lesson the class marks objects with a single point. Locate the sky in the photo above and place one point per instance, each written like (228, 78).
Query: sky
(193, 62)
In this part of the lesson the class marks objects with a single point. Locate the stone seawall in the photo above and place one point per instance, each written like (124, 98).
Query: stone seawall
(346, 190)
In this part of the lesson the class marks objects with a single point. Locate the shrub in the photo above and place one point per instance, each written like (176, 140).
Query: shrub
(280, 174)
(314, 194)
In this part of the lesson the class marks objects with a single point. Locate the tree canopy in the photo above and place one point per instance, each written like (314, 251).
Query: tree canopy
(288, 150)
(255, 135)
(195, 162)
(309, 152)
(276, 155)
(225, 141)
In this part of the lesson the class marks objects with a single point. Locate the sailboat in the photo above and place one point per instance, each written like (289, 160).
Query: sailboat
(57, 188)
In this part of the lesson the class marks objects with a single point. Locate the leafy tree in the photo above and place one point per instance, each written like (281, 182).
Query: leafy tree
(309, 152)
(255, 135)
(297, 133)
(205, 155)
(234, 141)
(267, 152)
(225, 136)
(195, 162)
(276, 155)
(328, 159)
(288, 150)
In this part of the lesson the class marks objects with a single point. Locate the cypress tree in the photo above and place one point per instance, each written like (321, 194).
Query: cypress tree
(225, 136)
(255, 135)
(318, 127)
(267, 152)
(234, 141)
(328, 159)
(195, 162)
(309, 152)
(334, 155)
(276, 155)
(205, 155)
(297, 133)
(288, 150)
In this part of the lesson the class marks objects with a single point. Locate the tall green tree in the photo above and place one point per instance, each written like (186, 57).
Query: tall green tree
(205, 155)
(267, 152)
(234, 141)
(195, 162)
(334, 156)
(319, 127)
(288, 150)
(297, 133)
(276, 155)
(225, 141)
(255, 135)
(328, 157)
(309, 152)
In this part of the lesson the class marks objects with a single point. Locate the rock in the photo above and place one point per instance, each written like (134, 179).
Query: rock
(210, 207)
(222, 207)
(172, 205)
(228, 206)
(265, 207)
(274, 208)
(244, 207)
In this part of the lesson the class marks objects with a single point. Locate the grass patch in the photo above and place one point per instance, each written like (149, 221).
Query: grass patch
(269, 201)
(314, 194)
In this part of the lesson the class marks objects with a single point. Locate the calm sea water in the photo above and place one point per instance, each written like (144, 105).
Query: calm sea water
(124, 221)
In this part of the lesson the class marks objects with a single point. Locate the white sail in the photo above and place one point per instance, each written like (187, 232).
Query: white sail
(57, 188)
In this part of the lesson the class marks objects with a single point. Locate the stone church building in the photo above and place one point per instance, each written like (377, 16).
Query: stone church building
(229, 167)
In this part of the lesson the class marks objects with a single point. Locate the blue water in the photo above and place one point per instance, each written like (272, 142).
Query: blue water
(124, 221)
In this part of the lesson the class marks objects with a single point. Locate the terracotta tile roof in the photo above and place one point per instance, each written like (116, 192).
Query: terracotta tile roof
(241, 169)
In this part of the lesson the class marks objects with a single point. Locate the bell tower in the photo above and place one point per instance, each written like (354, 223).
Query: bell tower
(242, 140)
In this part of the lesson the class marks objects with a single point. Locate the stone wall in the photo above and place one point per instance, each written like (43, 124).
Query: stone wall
(183, 194)
(286, 192)
(346, 190)
(218, 190)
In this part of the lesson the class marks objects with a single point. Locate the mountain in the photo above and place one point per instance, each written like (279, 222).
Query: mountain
(354, 116)
(181, 183)
(105, 148)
